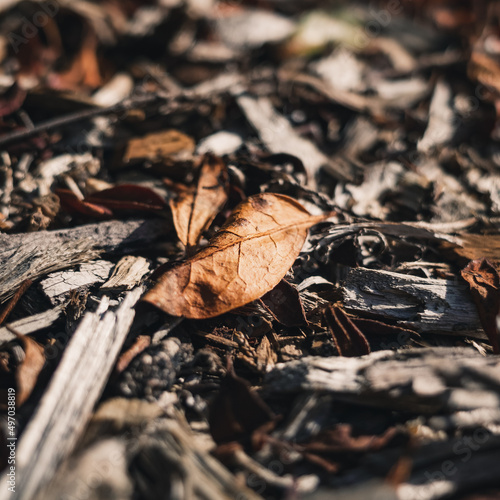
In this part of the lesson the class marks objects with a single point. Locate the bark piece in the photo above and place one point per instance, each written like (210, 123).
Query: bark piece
(221, 143)
(441, 127)
(58, 285)
(427, 381)
(278, 135)
(32, 255)
(447, 470)
(167, 459)
(195, 208)
(248, 257)
(389, 189)
(105, 460)
(31, 324)
(119, 415)
(127, 273)
(251, 29)
(73, 391)
(453, 202)
(422, 304)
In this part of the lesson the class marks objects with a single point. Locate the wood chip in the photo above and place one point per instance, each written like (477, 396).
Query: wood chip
(127, 273)
(74, 389)
(31, 255)
(425, 305)
(278, 135)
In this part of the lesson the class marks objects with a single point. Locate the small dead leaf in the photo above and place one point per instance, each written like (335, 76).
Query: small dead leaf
(45, 211)
(348, 338)
(342, 439)
(84, 70)
(28, 371)
(195, 208)
(484, 68)
(339, 447)
(12, 99)
(72, 204)
(158, 145)
(128, 197)
(484, 282)
(284, 303)
(474, 246)
(266, 353)
(104, 204)
(248, 257)
(237, 411)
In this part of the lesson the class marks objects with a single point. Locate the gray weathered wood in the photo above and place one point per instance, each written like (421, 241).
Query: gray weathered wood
(128, 273)
(278, 135)
(58, 285)
(451, 389)
(410, 380)
(75, 387)
(105, 462)
(31, 324)
(426, 305)
(31, 255)
(175, 464)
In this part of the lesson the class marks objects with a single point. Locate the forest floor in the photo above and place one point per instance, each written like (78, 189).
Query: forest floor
(250, 250)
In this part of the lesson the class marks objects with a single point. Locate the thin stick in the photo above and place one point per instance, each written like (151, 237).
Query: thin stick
(15, 299)
(63, 121)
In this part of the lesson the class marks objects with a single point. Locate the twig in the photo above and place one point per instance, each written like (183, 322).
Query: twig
(217, 85)
(20, 292)
(64, 121)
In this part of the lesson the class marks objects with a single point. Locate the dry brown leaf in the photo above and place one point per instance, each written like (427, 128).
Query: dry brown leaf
(485, 69)
(284, 304)
(158, 145)
(84, 70)
(348, 338)
(484, 282)
(237, 411)
(28, 371)
(195, 208)
(244, 260)
(474, 246)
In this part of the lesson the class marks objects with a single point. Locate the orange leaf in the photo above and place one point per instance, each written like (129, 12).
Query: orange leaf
(244, 260)
(158, 145)
(484, 282)
(195, 208)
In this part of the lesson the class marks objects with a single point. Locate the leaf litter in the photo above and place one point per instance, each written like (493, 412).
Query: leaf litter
(245, 259)
(310, 195)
